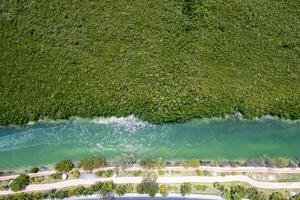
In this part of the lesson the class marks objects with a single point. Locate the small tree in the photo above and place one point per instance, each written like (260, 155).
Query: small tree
(108, 173)
(219, 186)
(64, 166)
(185, 188)
(122, 189)
(281, 162)
(238, 191)
(201, 188)
(148, 187)
(75, 174)
(107, 187)
(194, 163)
(152, 163)
(277, 196)
(57, 175)
(34, 170)
(19, 183)
(92, 162)
(76, 191)
(164, 190)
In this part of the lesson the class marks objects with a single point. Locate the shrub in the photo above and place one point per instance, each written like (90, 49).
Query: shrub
(37, 179)
(148, 187)
(238, 191)
(201, 188)
(64, 166)
(107, 187)
(161, 172)
(19, 183)
(190, 163)
(194, 163)
(254, 194)
(292, 164)
(136, 173)
(91, 163)
(223, 174)
(61, 194)
(34, 170)
(122, 189)
(152, 163)
(108, 173)
(77, 191)
(202, 172)
(164, 190)
(185, 188)
(234, 163)
(56, 175)
(219, 186)
(281, 162)
(277, 196)
(185, 164)
(75, 174)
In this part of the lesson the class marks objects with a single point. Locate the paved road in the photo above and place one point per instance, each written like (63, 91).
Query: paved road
(166, 180)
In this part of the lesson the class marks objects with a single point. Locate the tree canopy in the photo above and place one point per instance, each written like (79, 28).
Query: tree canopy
(160, 60)
(64, 166)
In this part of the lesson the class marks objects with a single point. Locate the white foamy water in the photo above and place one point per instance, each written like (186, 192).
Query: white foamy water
(129, 123)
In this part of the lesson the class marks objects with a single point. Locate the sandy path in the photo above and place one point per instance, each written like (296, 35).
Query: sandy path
(167, 180)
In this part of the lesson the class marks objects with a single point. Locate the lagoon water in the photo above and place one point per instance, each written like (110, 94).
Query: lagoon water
(43, 143)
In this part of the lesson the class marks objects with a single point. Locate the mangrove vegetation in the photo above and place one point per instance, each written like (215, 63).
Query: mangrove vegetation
(161, 60)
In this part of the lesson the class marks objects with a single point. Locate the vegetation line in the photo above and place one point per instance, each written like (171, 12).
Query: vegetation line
(161, 60)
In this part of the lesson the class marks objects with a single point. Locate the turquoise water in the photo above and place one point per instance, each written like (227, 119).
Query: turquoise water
(44, 143)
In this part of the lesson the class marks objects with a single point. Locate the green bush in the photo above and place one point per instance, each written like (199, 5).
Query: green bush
(91, 163)
(122, 189)
(37, 179)
(201, 188)
(148, 187)
(190, 163)
(136, 173)
(34, 170)
(75, 174)
(281, 162)
(107, 173)
(278, 196)
(151, 163)
(164, 190)
(195, 163)
(202, 172)
(238, 191)
(185, 188)
(64, 166)
(219, 186)
(56, 175)
(254, 194)
(19, 183)
(223, 174)
(107, 187)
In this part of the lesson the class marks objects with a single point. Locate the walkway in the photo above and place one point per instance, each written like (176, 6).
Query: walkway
(166, 180)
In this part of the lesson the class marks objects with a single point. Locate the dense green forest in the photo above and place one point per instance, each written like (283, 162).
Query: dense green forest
(162, 60)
